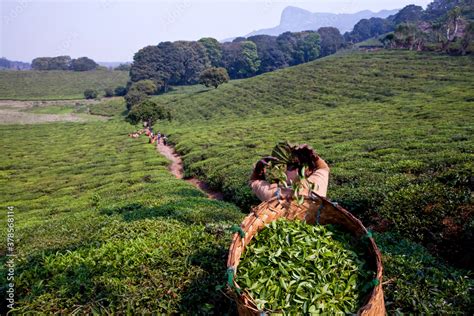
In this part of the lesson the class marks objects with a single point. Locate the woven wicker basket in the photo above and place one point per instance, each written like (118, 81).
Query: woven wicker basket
(314, 210)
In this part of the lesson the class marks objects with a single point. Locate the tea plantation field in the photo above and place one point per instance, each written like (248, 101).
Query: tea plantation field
(57, 85)
(395, 127)
(103, 227)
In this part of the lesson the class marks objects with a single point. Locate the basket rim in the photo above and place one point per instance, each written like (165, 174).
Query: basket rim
(241, 295)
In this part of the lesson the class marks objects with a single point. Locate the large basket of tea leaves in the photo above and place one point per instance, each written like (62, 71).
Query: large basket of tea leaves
(307, 257)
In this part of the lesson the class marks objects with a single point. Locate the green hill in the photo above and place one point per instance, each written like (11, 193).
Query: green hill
(57, 85)
(395, 127)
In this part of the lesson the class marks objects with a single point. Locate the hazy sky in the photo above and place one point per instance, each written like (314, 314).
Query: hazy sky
(113, 30)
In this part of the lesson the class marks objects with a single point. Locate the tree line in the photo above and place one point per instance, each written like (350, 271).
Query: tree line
(182, 62)
(6, 64)
(211, 63)
(64, 63)
(445, 25)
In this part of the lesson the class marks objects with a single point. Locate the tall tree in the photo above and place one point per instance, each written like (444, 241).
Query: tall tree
(240, 59)
(213, 49)
(191, 59)
(368, 28)
(60, 63)
(5, 63)
(287, 43)
(468, 38)
(452, 23)
(310, 45)
(40, 63)
(83, 64)
(331, 40)
(438, 8)
(150, 63)
(170, 63)
(409, 14)
(299, 47)
(250, 60)
(408, 35)
(269, 53)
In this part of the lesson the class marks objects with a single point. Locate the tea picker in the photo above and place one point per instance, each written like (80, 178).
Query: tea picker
(326, 262)
(316, 172)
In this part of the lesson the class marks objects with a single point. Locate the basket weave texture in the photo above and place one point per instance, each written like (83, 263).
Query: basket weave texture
(314, 210)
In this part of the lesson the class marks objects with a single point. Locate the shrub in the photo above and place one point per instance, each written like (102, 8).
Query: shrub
(434, 214)
(213, 77)
(109, 92)
(134, 97)
(83, 64)
(90, 94)
(148, 111)
(145, 86)
(120, 91)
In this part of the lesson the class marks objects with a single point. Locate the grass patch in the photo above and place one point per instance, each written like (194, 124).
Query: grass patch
(109, 107)
(106, 107)
(57, 85)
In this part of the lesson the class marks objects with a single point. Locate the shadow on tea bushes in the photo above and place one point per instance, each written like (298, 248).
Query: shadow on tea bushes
(188, 211)
(434, 214)
(416, 282)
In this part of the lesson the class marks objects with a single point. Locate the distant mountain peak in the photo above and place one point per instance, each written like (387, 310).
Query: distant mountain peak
(291, 14)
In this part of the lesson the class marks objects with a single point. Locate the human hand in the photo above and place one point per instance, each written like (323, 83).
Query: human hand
(259, 169)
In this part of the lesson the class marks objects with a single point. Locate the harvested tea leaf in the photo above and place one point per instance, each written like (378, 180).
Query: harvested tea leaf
(292, 267)
(290, 167)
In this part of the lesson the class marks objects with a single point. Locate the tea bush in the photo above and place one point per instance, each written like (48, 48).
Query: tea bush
(103, 227)
(418, 283)
(368, 144)
(399, 144)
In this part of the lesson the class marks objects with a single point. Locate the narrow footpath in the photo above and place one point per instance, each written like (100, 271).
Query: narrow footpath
(176, 168)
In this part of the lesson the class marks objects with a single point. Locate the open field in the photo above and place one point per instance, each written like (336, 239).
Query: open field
(57, 85)
(99, 218)
(32, 112)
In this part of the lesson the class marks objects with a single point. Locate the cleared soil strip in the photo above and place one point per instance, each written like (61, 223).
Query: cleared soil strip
(15, 112)
(17, 117)
(16, 104)
(176, 168)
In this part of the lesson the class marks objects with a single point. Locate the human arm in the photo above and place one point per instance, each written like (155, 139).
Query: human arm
(266, 191)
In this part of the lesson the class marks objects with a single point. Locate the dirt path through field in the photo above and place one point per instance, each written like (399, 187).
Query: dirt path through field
(176, 168)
